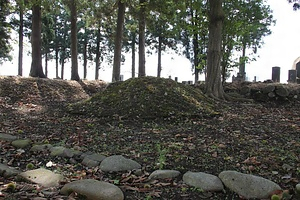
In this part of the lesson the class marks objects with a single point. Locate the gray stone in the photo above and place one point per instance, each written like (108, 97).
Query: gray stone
(248, 186)
(271, 94)
(41, 147)
(7, 137)
(282, 91)
(204, 181)
(21, 143)
(269, 88)
(6, 171)
(96, 157)
(297, 189)
(118, 163)
(90, 162)
(161, 174)
(43, 177)
(93, 190)
(62, 152)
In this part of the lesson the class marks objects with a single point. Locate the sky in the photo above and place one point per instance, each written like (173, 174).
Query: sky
(281, 49)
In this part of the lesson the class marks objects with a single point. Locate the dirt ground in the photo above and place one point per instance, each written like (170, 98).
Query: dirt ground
(254, 138)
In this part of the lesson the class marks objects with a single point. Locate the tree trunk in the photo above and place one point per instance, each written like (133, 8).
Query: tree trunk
(46, 64)
(36, 43)
(133, 55)
(20, 59)
(159, 56)
(196, 54)
(242, 68)
(56, 60)
(118, 42)
(195, 44)
(214, 86)
(85, 44)
(62, 69)
(142, 27)
(97, 67)
(74, 49)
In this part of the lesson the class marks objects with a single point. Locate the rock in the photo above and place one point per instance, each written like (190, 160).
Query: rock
(282, 91)
(96, 157)
(297, 189)
(248, 186)
(269, 88)
(20, 144)
(90, 162)
(43, 177)
(41, 147)
(206, 182)
(118, 163)
(93, 190)
(271, 94)
(245, 90)
(6, 171)
(7, 137)
(161, 174)
(62, 152)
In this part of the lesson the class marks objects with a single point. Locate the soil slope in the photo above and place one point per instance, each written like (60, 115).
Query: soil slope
(259, 138)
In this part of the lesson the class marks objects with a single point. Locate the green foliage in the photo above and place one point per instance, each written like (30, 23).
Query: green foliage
(5, 30)
(162, 156)
(246, 24)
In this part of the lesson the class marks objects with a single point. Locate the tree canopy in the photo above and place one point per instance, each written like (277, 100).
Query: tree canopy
(5, 30)
(154, 25)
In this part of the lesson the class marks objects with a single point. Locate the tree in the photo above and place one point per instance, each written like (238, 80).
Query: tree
(296, 4)
(142, 27)
(243, 30)
(214, 86)
(5, 47)
(74, 49)
(21, 5)
(36, 42)
(118, 41)
(162, 27)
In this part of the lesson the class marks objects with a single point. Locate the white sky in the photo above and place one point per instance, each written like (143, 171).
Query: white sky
(281, 49)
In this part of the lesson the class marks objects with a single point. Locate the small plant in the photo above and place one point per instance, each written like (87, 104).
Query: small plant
(10, 187)
(275, 197)
(90, 125)
(29, 166)
(162, 156)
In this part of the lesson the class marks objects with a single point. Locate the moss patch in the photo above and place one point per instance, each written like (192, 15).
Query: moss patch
(146, 98)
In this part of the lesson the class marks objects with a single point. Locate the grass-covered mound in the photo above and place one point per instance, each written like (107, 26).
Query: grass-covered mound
(146, 98)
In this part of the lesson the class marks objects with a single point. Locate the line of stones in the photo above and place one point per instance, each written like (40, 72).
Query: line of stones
(248, 186)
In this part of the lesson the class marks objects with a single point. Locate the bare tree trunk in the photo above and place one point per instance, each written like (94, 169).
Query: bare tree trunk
(159, 56)
(97, 67)
(74, 49)
(62, 69)
(214, 86)
(142, 27)
(85, 44)
(56, 61)
(20, 59)
(46, 64)
(118, 42)
(36, 43)
(133, 55)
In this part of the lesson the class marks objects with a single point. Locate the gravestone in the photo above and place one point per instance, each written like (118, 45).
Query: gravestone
(298, 69)
(292, 76)
(276, 74)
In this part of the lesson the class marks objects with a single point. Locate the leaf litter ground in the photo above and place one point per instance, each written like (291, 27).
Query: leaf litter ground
(261, 139)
